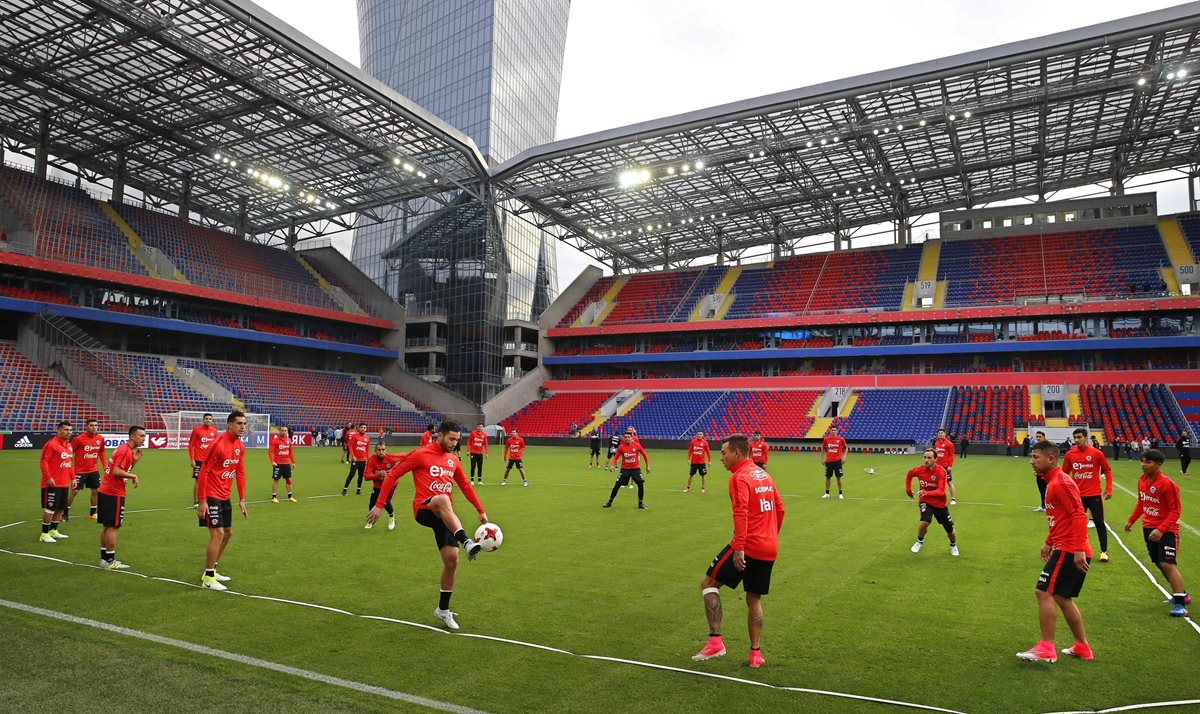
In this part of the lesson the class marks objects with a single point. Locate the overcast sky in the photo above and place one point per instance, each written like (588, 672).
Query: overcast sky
(632, 60)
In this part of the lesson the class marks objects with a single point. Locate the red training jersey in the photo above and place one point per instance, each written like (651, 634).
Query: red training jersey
(57, 463)
(377, 468)
(759, 452)
(1085, 466)
(757, 511)
(628, 455)
(834, 447)
(226, 461)
(944, 448)
(1158, 504)
(515, 447)
(933, 484)
(699, 452)
(434, 471)
(1065, 514)
(477, 442)
(280, 450)
(426, 438)
(89, 453)
(201, 441)
(115, 485)
(359, 445)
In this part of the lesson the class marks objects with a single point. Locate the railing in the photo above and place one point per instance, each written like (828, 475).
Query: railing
(425, 342)
(525, 346)
(61, 348)
(430, 372)
(423, 310)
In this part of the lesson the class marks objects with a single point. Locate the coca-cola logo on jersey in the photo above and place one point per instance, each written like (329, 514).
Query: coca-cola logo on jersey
(441, 486)
(225, 475)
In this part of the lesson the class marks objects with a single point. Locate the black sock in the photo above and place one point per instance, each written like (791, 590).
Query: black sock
(289, 493)
(1179, 598)
(211, 572)
(920, 539)
(108, 555)
(755, 649)
(45, 527)
(92, 511)
(953, 543)
(103, 554)
(461, 536)
(390, 510)
(826, 492)
(67, 512)
(444, 598)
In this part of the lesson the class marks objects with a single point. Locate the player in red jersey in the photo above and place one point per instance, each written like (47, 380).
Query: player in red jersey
(1159, 507)
(225, 462)
(1067, 555)
(358, 445)
(429, 435)
(945, 458)
(112, 496)
(378, 466)
(477, 448)
(760, 453)
(89, 462)
(435, 470)
(283, 462)
(58, 471)
(201, 440)
(749, 557)
(931, 498)
(1085, 463)
(514, 453)
(699, 457)
(833, 447)
(1041, 482)
(629, 455)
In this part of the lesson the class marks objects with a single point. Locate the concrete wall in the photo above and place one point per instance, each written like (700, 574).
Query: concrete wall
(330, 261)
(515, 396)
(454, 406)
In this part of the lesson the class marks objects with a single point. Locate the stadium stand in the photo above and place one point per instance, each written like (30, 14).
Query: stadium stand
(651, 297)
(779, 414)
(32, 400)
(894, 415)
(594, 293)
(162, 392)
(1098, 263)
(987, 414)
(865, 280)
(1133, 411)
(68, 224)
(1189, 223)
(666, 415)
(554, 415)
(303, 399)
(1188, 398)
(223, 261)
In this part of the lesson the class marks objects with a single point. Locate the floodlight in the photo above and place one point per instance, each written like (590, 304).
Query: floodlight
(699, 165)
(1170, 75)
(966, 115)
(1181, 73)
(633, 177)
(1141, 81)
(951, 117)
(408, 167)
(809, 144)
(671, 170)
(921, 123)
(395, 162)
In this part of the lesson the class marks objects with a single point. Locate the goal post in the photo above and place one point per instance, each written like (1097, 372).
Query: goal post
(179, 427)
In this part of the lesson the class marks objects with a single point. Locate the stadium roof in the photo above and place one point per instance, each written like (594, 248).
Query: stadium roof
(219, 105)
(1024, 119)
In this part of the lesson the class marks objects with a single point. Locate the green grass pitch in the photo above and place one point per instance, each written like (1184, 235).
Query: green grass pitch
(851, 609)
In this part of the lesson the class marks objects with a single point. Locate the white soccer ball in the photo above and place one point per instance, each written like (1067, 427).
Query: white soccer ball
(489, 536)
(870, 471)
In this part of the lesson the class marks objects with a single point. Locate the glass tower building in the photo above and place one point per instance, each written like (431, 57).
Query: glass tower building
(492, 69)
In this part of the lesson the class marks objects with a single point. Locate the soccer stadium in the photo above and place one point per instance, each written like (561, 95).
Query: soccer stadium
(181, 319)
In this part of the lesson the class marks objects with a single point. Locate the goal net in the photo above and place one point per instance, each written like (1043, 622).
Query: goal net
(180, 424)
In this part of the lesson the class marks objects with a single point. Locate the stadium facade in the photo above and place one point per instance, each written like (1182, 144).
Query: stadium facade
(492, 69)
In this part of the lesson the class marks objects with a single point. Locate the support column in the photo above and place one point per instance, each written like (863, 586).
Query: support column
(41, 157)
(1191, 188)
(720, 246)
(290, 241)
(241, 227)
(118, 186)
(776, 248)
(185, 201)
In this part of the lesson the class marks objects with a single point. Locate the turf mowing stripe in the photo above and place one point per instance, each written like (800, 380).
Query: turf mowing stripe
(10, 525)
(1131, 493)
(243, 659)
(1145, 570)
(533, 645)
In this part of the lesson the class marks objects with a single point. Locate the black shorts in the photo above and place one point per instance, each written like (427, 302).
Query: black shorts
(91, 481)
(281, 471)
(477, 458)
(1060, 576)
(833, 468)
(628, 475)
(54, 498)
(756, 578)
(928, 513)
(1164, 550)
(761, 464)
(196, 468)
(110, 510)
(515, 462)
(701, 469)
(612, 453)
(219, 514)
(1095, 506)
(376, 490)
(441, 534)
(595, 451)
